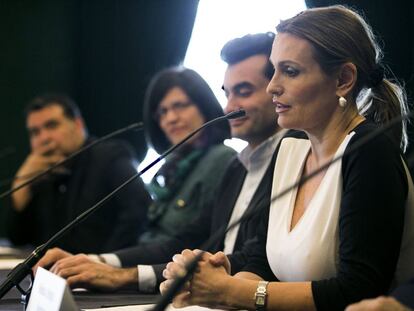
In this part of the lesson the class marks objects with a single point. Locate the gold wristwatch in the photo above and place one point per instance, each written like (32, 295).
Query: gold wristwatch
(261, 295)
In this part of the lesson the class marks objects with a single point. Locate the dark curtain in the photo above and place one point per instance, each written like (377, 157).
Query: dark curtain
(101, 52)
(393, 22)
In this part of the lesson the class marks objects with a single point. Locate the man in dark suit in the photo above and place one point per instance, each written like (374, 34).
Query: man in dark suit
(246, 186)
(56, 130)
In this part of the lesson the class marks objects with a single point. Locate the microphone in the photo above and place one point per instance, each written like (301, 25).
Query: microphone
(219, 234)
(25, 268)
(132, 126)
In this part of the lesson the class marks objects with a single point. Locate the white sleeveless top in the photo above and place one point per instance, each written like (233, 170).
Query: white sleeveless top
(309, 251)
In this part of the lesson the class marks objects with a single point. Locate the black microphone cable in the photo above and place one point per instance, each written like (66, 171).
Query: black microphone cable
(25, 268)
(190, 267)
(137, 126)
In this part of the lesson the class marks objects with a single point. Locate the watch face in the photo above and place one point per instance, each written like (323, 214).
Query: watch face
(260, 301)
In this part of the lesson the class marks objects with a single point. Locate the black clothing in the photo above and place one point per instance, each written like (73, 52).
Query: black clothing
(405, 294)
(371, 220)
(60, 197)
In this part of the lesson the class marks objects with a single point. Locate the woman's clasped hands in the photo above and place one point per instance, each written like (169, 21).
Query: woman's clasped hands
(206, 287)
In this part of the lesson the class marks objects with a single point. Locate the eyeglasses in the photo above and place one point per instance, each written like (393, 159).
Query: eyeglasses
(176, 107)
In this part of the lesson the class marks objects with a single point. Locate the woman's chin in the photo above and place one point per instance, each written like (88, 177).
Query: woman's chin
(286, 123)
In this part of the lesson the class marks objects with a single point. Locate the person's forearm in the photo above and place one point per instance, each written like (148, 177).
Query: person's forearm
(128, 278)
(21, 198)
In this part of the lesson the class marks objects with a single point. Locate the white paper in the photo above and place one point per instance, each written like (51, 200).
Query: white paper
(50, 293)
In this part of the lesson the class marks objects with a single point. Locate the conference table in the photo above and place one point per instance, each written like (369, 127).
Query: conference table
(84, 299)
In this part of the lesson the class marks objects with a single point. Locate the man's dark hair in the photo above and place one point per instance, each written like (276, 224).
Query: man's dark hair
(249, 45)
(70, 109)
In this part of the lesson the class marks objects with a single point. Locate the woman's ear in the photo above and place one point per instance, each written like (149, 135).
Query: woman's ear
(347, 77)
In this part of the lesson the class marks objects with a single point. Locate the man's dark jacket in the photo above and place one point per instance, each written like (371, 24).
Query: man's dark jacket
(61, 196)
